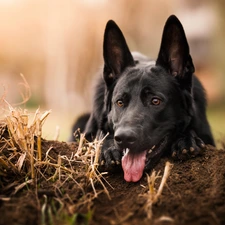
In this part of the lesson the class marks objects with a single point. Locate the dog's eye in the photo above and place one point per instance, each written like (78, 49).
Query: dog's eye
(156, 101)
(120, 103)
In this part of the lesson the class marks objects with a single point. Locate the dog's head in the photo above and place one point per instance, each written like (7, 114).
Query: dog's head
(146, 102)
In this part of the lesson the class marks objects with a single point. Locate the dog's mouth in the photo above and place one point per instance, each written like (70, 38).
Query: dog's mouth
(134, 164)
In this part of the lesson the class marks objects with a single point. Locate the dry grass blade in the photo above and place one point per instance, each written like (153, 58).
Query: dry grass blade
(166, 174)
(5, 166)
(80, 147)
(57, 132)
(20, 161)
(164, 220)
(17, 188)
(153, 195)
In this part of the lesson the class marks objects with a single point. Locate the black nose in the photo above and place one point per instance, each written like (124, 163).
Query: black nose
(125, 137)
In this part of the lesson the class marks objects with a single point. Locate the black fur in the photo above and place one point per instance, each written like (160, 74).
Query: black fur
(79, 126)
(145, 105)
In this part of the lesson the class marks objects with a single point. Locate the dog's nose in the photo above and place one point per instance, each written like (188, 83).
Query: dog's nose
(125, 137)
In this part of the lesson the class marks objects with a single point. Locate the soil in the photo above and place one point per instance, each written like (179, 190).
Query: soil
(194, 193)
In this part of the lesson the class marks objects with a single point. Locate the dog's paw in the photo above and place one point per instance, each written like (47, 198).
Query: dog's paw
(187, 147)
(110, 158)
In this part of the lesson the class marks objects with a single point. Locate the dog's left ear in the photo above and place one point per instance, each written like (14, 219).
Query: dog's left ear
(174, 53)
(117, 55)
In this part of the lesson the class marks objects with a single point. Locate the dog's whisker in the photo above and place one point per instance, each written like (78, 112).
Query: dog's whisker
(125, 151)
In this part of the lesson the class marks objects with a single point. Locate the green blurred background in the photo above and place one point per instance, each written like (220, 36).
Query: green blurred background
(57, 45)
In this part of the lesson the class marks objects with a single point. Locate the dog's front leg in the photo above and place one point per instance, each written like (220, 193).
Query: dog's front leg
(188, 145)
(110, 156)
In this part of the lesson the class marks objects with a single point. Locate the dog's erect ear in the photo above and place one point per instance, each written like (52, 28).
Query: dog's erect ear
(174, 53)
(117, 55)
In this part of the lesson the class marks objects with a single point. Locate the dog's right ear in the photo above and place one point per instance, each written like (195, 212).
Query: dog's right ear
(117, 55)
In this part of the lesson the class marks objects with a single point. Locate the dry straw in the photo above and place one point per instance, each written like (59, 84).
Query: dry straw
(93, 174)
(25, 142)
(89, 154)
(22, 135)
(153, 195)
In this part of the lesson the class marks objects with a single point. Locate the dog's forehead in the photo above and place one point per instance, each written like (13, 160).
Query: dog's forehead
(142, 76)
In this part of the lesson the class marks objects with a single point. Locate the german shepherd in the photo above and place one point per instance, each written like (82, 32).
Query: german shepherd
(148, 108)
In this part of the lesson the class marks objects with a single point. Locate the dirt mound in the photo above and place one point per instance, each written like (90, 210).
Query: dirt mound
(194, 193)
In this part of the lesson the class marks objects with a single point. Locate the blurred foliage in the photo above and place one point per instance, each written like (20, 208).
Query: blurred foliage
(57, 45)
(216, 117)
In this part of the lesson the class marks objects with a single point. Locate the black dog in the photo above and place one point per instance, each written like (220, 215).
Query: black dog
(148, 108)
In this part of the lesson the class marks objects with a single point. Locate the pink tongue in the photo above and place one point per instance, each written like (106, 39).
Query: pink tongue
(133, 166)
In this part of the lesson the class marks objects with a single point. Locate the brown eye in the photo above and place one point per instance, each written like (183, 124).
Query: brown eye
(120, 103)
(156, 101)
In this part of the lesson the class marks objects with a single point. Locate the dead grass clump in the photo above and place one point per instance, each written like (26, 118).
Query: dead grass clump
(88, 153)
(21, 140)
(92, 173)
